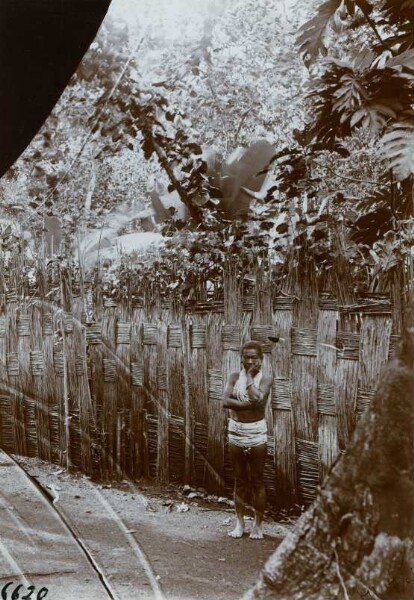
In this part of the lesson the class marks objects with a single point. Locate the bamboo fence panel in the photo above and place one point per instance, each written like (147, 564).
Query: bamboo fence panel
(198, 390)
(17, 427)
(304, 352)
(86, 407)
(38, 383)
(109, 392)
(123, 357)
(214, 472)
(231, 340)
(124, 389)
(150, 335)
(189, 425)
(198, 367)
(281, 401)
(3, 364)
(163, 397)
(305, 377)
(175, 394)
(373, 355)
(7, 393)
(260, 330)
(327, 426)
(346, 389)
(175, 366)
(51, 382)
(138, 454)
(23, 383)
(94, 362)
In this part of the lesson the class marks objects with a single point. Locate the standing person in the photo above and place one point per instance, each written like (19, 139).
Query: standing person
(246, 396)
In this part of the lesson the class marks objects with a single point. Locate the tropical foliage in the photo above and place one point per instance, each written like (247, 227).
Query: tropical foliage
(264, 153)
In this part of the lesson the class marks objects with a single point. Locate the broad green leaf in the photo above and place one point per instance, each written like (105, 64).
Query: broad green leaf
(349, 95)
(405, 60)
(312, 33)
(398, 148)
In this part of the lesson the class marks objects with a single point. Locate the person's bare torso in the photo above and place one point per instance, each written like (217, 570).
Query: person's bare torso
(250, 415)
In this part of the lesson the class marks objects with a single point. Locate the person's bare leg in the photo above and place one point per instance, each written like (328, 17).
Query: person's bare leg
(240, 488)
(257, 464)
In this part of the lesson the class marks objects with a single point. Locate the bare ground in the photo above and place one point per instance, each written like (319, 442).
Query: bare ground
(149, 542)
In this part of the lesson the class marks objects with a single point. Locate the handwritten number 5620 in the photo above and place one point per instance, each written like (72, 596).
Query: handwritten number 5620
(42, 593)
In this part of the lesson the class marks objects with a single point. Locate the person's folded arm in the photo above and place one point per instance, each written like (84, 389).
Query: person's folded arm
(258, 395)
(230, 400)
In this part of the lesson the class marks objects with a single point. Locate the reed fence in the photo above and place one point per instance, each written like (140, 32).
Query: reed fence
(136, 389)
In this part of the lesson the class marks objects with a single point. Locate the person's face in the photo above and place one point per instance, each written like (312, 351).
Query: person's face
(251, 358)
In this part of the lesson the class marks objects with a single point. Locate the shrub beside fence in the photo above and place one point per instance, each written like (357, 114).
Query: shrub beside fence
(138, 390)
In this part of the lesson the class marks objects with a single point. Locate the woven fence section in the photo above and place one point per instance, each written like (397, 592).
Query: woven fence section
(138, 390)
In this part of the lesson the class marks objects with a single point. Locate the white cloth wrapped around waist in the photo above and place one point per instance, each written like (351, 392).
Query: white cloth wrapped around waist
(247, 435)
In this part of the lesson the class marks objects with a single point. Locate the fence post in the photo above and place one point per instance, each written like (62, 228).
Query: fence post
(303, 285)
(65, 299)
(188, 416)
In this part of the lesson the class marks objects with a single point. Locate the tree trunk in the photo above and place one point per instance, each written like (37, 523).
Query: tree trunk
(356, 539)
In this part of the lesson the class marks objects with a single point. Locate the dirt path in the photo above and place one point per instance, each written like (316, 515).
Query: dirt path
(151, 542)
(38, 554)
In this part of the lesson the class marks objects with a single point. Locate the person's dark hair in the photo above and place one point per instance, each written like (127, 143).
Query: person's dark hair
(252, 346)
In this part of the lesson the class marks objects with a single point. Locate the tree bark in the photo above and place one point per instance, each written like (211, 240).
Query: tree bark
(355, 541)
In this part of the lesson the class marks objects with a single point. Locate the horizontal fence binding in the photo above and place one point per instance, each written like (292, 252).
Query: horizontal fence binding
(7, 433)
(109, 370)
(23, 325)
(327, 302)
(93, 333)
(68, 322)
(214, 306)
(137, 374)
(248, 303)
(282, 394)
(308, 464)
(364, 399)
(174, 336)
(261, 333)
(198, 336)
(378, 307)
(11, 296)
(30, 418)
(2, 326)
(347, 344)
(12, 361)
(326, 399)
(109, 302)
(284, 302)
(80, 365)
(123, 333)
(37, 362)
(215, 385)
(47, 324)
(162, 379)
(59, 363)
(150, 334)
(304, 341)
(394, 341)
(231, 337)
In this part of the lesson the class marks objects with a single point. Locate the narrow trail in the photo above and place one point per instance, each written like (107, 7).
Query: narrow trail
(119, 541)
(17, 487)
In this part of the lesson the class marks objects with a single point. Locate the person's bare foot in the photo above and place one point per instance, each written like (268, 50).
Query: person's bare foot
(256, 533)
(238, 531)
